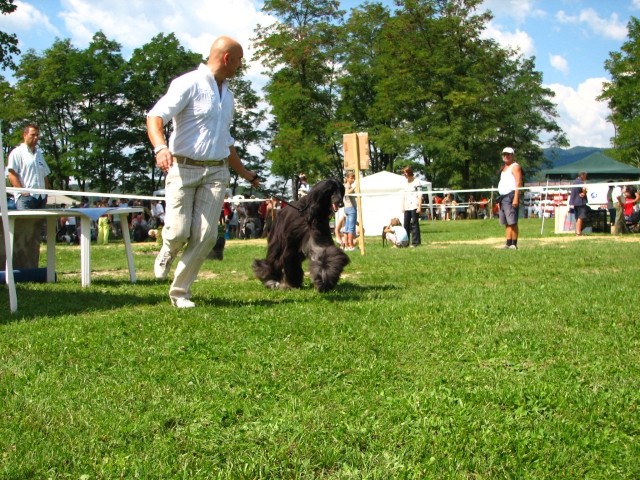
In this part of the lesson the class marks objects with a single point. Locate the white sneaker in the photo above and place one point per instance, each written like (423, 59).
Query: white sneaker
(182, 302)
(162, 265)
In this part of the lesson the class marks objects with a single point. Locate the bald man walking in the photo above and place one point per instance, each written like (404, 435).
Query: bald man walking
(196, 161)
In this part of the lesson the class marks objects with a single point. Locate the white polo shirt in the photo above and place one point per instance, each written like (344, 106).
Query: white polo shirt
(201, 114)
(30, 166)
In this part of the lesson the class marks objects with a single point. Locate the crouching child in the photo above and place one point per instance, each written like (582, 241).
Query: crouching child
(396, 234)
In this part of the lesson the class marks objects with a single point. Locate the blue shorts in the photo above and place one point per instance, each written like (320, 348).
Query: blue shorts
(350, 220)
(581, 212)
(30, 202)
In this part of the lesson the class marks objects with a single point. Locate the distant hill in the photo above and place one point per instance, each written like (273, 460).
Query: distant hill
(559, 157)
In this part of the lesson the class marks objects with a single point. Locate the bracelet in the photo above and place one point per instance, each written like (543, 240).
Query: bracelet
(159, 148)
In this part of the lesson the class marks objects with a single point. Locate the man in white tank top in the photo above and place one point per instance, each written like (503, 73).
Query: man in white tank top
(510, 181)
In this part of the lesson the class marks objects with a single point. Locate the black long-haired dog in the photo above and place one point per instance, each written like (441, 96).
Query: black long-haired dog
(301, 231)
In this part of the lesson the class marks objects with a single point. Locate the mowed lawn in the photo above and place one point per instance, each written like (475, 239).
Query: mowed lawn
(455, 360)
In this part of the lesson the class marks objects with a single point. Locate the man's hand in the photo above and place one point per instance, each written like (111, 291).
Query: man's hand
(164, 160)
(253, 179)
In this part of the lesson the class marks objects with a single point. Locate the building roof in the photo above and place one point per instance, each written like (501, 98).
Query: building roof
(597, 165)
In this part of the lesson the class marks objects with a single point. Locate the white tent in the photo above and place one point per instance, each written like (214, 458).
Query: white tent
(382, 200)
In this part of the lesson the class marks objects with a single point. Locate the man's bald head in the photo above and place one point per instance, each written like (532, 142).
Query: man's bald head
(225, 57)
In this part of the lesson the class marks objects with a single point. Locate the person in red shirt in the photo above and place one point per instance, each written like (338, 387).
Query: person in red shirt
(630, 199)
(484, 201)
(438, 201)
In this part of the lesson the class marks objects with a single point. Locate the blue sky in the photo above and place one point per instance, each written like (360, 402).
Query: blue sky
(570, 39)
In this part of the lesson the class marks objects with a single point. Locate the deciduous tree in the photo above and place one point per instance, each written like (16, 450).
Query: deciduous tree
(8, 41)
(623, 96)
(47, 93)
(151, 69)
(300, 53)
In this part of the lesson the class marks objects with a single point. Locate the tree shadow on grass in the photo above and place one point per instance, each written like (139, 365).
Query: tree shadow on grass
(34, 304)
(36, 301)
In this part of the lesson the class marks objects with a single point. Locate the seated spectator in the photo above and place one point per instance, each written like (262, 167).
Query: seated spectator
(139, 228)
(482, 207)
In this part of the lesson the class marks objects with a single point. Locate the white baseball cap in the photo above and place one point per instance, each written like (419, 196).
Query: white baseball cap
(508, 150)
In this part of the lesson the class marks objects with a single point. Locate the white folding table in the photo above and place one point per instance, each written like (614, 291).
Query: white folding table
(86, 216)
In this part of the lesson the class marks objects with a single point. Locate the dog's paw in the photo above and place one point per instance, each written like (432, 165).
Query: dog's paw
(274, 285)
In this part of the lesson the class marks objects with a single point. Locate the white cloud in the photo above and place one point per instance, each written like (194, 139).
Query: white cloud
(563, 17)
(132, 23)
(611, 28)
(635, 5)
(518, 10)
(26, 18)
(559, 63)
(519, 40)
(581, 116)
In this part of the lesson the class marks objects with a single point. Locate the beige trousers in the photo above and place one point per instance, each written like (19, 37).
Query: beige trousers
(194, 197)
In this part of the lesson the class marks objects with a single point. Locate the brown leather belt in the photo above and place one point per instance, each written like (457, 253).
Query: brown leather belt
(199, 163)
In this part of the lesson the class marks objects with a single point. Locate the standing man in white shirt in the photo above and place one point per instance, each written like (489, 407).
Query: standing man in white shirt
(196, 161)
(28, 169)
(510, 182)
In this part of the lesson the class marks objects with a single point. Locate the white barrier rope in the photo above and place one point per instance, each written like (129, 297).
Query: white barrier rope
(542, 189)
(74, 193)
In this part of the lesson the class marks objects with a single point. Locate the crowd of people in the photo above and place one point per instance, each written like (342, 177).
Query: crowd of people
(248, 218)
(451, 206)
(142, 226)
(252, 218)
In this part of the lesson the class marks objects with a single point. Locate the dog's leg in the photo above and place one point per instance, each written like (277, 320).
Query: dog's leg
(268, 273)
(293, 272)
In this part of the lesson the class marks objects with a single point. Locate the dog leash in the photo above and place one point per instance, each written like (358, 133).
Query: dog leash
(286, 202)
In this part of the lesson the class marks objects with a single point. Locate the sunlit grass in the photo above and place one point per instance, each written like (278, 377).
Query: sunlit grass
(452, 360)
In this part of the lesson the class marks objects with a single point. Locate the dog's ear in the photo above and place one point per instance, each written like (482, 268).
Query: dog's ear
(338, 194)
(315, 199)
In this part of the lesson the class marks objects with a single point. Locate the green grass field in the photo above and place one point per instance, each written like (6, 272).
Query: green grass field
(454, 360)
